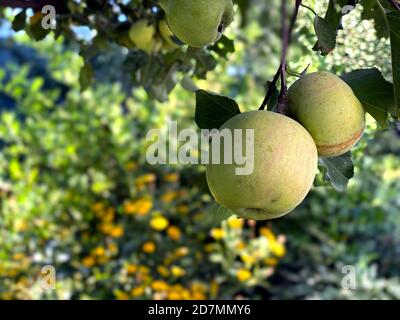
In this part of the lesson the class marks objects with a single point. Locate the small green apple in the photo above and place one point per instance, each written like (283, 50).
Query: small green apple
(328, 108)
(285, 164)
(142, 34)
(198, 23)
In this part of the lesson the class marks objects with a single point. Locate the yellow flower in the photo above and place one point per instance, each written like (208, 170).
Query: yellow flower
(271, 261)
(217, 233)
(248, 259)
(169, 196)
(137, 291)
(240, 245)
(163, 271)
(113, 248)
(182, 209)
(214, 288)
(149, 247)
(108, 215)
(141, 206)
(209, 247)
(181, 252)
(144, 269)
(99, 251)
(159, 285)
(105, 228)
(88, 262)
(198, 287)
(120, 295)
(116, 231)
(173, 295)
(159, 223)
(131, 268)
(145, 179)
(171, 177)
(198, 296)
(19, 256)
(177, 271)
(174, 233)
(277, 249)
(98, 206)
(243, 275)
(235, 223)
(267, 233)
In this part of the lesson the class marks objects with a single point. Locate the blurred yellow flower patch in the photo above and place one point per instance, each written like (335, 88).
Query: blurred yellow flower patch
(89, 261)
(116, 231)
(141, 206)
(145, 179)
(169, 196)
(183, 209)
(177, 271)
(163, 271)
(217, 233)
(243, 275)
(131, 268)
(159, 285)
(120, 295)
(235, 223)
(174, 233)
(171, 177)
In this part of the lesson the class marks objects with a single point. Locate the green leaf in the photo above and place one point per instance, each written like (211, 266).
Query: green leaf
(326, 36)
(212, 110)
(326, 28)
(393, 18)
(19, 21)
(85, 76)
(339, 170)
(374, 92)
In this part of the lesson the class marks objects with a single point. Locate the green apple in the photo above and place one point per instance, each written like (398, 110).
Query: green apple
(285, 164)
(198, 23)
(142, 34)
(328, 108)
(167, 35)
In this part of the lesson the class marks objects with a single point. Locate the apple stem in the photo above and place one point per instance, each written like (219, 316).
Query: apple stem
(281, 73)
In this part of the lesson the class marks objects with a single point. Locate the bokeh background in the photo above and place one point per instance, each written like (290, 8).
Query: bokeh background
(77, 193)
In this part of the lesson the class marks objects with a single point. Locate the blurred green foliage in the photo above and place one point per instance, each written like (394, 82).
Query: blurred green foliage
(76, 191)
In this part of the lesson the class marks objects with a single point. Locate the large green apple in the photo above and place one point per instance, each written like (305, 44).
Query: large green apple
(328, 108)
(285, 164)
(198, 23)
